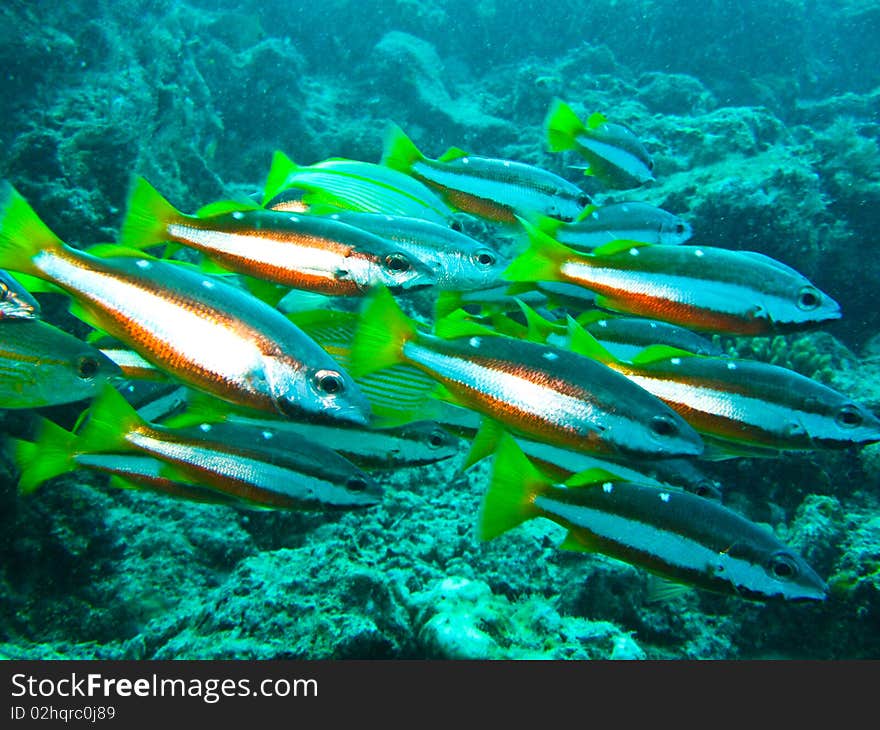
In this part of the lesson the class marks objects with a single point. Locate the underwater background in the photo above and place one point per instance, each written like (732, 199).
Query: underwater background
(762, 118)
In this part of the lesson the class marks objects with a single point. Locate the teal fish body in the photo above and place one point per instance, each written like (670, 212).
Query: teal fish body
(359, 186)
(670, 532)
(16, 302)
(486, 302)
(675, 473)
(613, 152)
(683, 537)
(632, 221)
(572, 297)
(679, 472)
(41, 365)
(755, 403)
(296, 474)
(459, 262)
(413, 444)
(626, 337)
(495, 189)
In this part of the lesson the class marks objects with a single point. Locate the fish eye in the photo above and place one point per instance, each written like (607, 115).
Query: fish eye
(356, 484)
(663, 426)
(651, 165)
(782, 566)
(87, 368)
(456, 226)
(794, 428)
(436, 439)
(397, 262)
(849, 417)
(329, 382)
(484, 258)
(4, 291)
(707, 489)
(679, 228)
(583, 200)
(808, 298)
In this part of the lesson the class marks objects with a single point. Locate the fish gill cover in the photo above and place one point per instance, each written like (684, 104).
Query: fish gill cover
(393, 458)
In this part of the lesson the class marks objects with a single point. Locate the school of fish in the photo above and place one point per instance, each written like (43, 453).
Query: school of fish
(296, 345)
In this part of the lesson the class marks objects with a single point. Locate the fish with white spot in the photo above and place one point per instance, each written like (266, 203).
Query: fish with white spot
(719, 290)
(220, 340)
(672, 533)
(743, 404)
(614, 154)
(217, 462)
(313, 253)
(494, 189)
(598, 225)
(568, 400)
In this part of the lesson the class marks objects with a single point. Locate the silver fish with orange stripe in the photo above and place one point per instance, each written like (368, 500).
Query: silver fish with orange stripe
(703, 288)
(491, 188)
(314, 253)
(218, 460)
(534, 389)
(202, 331)
(743, 402)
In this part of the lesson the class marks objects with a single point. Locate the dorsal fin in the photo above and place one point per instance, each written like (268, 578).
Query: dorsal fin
(537, 328)
(452, 154)
(591, 478)
(458, 324)
(581, 544)
(614, 247)
(221, 207)
(656, 353)
(592, 316)
(107, 250)
(596, 119)
(586, 213)
(279, 173)
(488, 438)
(583, 343)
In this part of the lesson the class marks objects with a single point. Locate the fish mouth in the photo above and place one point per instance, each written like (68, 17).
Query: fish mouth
(818, 593)
(354, 416)
(655, 449)
(418, 282)
(363, 491)
(330, 414)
